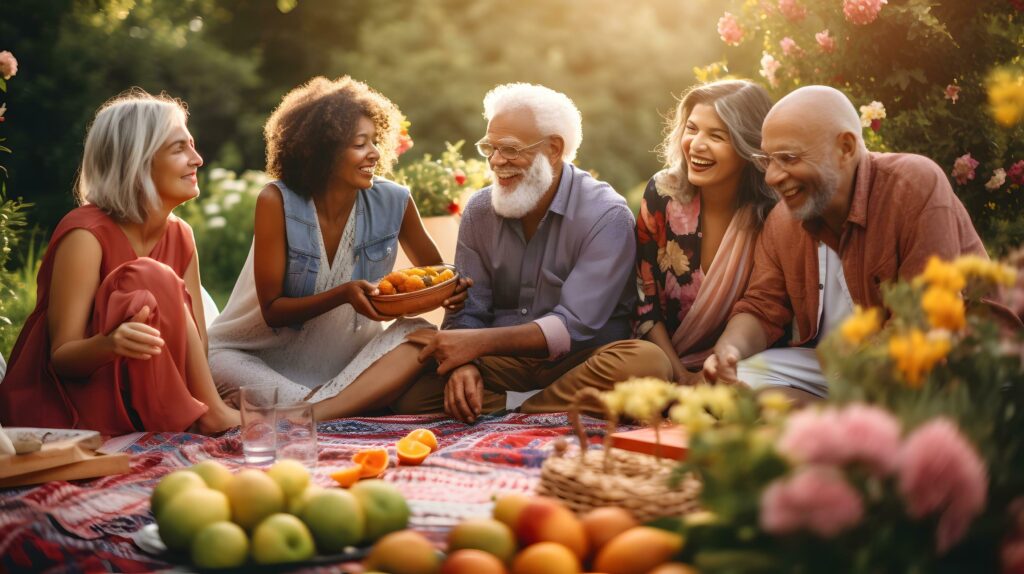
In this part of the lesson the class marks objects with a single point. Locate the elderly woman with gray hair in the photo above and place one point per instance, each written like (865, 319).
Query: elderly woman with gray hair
(699, 220)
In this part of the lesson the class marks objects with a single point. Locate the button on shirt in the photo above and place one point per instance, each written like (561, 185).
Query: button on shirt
(573, 277)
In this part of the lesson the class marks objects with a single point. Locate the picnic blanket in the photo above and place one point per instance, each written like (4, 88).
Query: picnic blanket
(87, 526)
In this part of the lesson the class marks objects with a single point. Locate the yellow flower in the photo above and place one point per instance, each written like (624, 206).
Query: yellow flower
(861, 325)
(641, 399)
(945, 309)
(1006, 96)
(941, 274)
(980, 267)
(774, 403)
(692, 416)
(916, 354)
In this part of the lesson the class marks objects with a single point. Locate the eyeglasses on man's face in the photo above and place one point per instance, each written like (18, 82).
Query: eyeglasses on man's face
(509, 152)
(784, 159)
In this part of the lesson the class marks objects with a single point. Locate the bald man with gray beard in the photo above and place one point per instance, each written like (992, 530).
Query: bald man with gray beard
(848, 220)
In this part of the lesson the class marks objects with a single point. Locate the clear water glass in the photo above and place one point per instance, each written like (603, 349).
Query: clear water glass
(259, 422)
(296, 433)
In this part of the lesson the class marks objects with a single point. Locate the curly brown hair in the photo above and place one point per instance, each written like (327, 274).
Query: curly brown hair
(318, 119)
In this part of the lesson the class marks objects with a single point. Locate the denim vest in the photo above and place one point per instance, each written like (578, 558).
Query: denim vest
(378, 217)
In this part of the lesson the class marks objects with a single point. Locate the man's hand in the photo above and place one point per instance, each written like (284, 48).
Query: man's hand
(720, 366)
(458, 299)
(464, 394)
(452, 348)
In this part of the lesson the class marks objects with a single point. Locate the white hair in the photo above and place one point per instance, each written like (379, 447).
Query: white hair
(116, 171)
(555, 112)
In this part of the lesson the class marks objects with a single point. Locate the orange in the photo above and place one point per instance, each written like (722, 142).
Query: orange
(348, 476)
(411, 452)
(385, 287)
(425, 436)
(413, 283)
(374, 461)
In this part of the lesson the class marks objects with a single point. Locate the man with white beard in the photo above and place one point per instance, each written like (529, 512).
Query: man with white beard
(551, 252)
(848, 221)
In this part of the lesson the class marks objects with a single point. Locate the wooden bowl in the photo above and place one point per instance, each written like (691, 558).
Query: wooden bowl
(416, 302)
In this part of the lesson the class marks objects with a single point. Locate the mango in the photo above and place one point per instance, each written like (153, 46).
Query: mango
(604, 523)
(638, 551)
(470, 561)
(404, 552)
(484, 534)
(547, 520)
(546, 558)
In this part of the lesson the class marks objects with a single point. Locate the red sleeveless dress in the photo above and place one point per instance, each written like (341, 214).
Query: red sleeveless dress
(125, 395)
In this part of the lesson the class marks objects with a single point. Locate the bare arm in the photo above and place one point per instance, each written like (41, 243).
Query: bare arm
(74, 355)
(659, 336)
(195, 290)
(415, 240)
(456, 347)
(270, 259)
(743, 337)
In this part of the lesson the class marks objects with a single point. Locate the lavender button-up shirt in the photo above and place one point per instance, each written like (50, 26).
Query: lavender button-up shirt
(574, 277)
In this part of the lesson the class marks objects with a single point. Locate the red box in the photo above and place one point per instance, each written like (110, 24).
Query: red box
(672, 441)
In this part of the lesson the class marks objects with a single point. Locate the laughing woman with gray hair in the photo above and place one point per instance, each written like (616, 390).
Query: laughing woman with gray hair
(698, 221)
(115, 343)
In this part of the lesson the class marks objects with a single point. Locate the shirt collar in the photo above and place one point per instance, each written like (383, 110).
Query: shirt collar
(861, 190)
(560, 203)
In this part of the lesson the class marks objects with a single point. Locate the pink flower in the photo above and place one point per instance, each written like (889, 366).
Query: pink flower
(683, 217)
(688, 293)
(940, 472)
(8, 65)
(789, 47)
(953, 92)
(729, 29)
(856, 434)
(460, 176)
(862, 12)
(814, 437)
(1016, 172)
(792, 10)
(769, 66)
(827, 43)
(963, 168)
(815, 499)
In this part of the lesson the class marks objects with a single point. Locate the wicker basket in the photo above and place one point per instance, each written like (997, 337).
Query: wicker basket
(634, 481)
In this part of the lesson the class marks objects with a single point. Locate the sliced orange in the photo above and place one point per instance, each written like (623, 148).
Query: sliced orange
(411, 452)
(374, 461)
(348, 476)
(425, 436)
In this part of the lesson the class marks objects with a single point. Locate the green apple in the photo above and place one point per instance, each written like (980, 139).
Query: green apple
(384, 506)
(187, 513)
(335, 518)
(254, 496)
(220, 545)
(291, 476)
(172, 484)
(282, 538)
(214, 474)
(295, 505)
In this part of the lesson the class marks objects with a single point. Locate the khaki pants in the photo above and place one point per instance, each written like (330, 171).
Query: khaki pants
(558, 381)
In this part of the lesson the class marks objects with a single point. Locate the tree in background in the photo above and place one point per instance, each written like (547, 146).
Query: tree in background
(922, 73)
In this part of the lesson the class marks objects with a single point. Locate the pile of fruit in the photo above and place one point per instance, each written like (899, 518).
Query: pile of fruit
(536, 535)
(412, 450)
(414, 279)
(222, 520)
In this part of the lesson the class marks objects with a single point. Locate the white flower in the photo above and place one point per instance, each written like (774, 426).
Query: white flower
(218, 173)
(231, 199)
(216, 222)
(870, 112)
(769, 66)
(233, 185)
(998, 179)
(211, 208)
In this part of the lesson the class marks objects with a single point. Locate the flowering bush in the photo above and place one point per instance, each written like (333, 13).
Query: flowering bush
(946, 77)
(222, 220)
(437, 185)
(915, 464)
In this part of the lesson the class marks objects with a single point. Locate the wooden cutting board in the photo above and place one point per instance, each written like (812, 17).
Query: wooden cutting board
(65, 455)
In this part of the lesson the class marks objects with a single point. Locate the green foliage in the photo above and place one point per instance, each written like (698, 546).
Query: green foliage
(222, 221)
(17, 288)
(905, 59)
(438, 185)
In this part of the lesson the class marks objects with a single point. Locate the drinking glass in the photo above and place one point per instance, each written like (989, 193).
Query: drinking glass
(296, 433)
(259, 419)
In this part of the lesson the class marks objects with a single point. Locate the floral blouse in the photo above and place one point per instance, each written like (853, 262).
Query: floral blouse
(668, 260)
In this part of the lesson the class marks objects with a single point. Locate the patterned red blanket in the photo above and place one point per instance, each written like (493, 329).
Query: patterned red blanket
(87, 526)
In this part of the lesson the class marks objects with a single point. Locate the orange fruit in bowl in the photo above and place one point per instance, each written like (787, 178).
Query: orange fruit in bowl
(425, 436)
(411, 452)
(373, 461)
(348, 475)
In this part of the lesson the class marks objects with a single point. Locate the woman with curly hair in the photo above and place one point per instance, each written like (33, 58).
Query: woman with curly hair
(299, 316)
(698, 221)
(115, 343)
